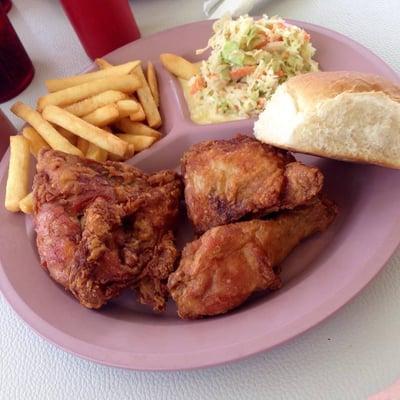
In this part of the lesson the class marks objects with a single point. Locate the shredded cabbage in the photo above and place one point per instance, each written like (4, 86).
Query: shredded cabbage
(249, 59)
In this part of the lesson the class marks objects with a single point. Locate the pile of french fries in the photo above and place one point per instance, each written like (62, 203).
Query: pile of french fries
(109, 114)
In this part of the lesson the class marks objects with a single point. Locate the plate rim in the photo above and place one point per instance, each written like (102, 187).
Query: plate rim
(221, 355)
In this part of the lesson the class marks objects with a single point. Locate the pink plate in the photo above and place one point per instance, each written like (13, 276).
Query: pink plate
(320, 276)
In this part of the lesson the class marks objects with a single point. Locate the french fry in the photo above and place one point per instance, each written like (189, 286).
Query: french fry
(83, 129)
(129, 154)
(68, 135)
(152, 81)
(178, 66)
(96, 153)
(26, 204)
(136, 128)
(82, 145)
(102, 63)
(103, 116)
(124, 83)
(36, 142)
(91, 104)
(127, 107)
(54, 85)
(18, 172)
(138, 115)
(44, 128)
(146, 100)
(140, 142)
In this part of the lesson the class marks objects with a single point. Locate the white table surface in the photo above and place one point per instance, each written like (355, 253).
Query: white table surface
(351, 355)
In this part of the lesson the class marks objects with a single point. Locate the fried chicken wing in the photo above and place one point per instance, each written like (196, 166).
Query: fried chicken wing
(103, 227)
(226, 180)
(221, 269)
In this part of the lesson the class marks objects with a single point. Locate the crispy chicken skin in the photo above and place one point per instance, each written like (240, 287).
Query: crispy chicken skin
(222, 268)
(226, 180)
(103, 227)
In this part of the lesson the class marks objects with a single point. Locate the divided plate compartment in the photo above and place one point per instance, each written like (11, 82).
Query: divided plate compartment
(319, 276)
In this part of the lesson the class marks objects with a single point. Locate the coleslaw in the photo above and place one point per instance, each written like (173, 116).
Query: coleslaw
(249, 59)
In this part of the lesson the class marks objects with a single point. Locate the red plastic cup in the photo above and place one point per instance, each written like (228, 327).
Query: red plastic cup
(16, 69)
(102, 26)
(6, 4)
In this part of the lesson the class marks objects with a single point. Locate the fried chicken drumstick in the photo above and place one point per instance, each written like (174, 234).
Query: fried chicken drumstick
(226, 180)
(103, 227)
(221, 269)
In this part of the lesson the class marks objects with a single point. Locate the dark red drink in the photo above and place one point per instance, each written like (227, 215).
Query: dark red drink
(102, 26)
(16, 69)
(6, 4)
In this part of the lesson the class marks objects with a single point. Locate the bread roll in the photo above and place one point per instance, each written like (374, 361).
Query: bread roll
(348, 116)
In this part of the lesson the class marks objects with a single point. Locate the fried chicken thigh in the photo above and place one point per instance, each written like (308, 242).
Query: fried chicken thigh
(103, 227)
(226, 180)
(221, 269)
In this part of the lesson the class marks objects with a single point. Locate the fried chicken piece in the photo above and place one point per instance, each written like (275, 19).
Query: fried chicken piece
(222, 268)
(226, 180)
(152, 243)
(97, 273)
(58, 234)
(104, 227)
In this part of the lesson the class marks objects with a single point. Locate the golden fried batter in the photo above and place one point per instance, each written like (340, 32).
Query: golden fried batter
(221, 269)
(226, 180)
(103, 227)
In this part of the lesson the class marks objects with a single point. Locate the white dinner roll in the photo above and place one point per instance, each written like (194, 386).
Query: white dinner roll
(344, 115)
